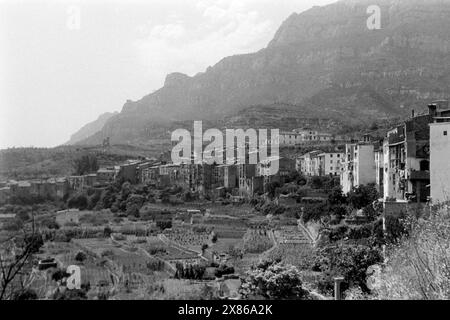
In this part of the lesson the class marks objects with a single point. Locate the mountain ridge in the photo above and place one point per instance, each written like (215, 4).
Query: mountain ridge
(324, 59)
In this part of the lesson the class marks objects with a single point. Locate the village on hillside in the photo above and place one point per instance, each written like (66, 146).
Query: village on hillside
(339, 214)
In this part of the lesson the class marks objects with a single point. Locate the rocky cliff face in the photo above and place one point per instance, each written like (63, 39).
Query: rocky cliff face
(91, 128)
(325, 61)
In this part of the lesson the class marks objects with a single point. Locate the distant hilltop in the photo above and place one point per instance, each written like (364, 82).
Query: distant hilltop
(91, 128)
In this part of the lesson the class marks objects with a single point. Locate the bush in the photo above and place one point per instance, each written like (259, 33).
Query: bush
(164, 224)
(349, 261)
(78, 201)
(81, 256)
(314, 212)
(273, 209)
(27, 294)
(363, 196)
(13, 225)
(155, 265)
(223, 269)
(48, 222)
(273, 280)
(256, 243)
(194, 272)
(418, 267)
(107, 231)
(107, 253)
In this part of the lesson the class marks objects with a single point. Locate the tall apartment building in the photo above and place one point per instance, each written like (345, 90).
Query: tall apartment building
(329, 164)
(379, 167)
(358, 167)
(308, 164)
(440, 162)
(407, 149)
(440, 155)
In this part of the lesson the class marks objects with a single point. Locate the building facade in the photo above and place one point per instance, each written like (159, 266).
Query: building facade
(358, 167)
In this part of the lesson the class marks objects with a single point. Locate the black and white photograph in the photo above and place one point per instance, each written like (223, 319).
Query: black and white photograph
(225, 155)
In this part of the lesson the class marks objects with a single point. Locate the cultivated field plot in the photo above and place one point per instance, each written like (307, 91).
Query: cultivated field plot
(291, 234)
(93, 270)
(224, 244)
(241, 266)
(129, 261)
(299, 255)
(188, 238)
(224, 231)
(257, 241)
(165, 251)
(231, 210)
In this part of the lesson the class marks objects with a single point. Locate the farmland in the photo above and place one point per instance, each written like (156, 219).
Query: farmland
(127, 257)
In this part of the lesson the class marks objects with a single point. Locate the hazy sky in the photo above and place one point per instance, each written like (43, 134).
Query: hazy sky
(63, 63)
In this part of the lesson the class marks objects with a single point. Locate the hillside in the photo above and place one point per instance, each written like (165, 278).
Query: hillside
(91, 128)
(37, 163)
(324, 64)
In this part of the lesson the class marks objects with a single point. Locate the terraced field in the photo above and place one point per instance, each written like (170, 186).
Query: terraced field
(294, 246)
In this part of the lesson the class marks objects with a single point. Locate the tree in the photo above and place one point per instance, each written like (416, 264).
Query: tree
(362, 196)
(418, 268)
(273, 280)
(316, 182)
(336, 196)
(80, 256)
(272, 188)
(107, 231)
(347, 260)
(15, 258)
(78, 201)
(85, 164)
(164, 224)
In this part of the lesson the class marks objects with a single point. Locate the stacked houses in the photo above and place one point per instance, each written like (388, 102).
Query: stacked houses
(319, 163)
(410, 165)
(303, 136)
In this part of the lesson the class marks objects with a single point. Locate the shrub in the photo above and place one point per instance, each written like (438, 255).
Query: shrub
(193, 271)
(362, 196)
(155, 265)
(223, 269)
(107, 231)
(418, 268)
(81, 256)
(13, 225)
(164, 224)
(107, 253)
(256, 243)
(273, 280)
(273, 209)
(349, 261)
(78, 201)
(27, 294)
(314, 212)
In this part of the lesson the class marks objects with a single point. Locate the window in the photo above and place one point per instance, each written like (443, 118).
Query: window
(424, 165)
(445, 133)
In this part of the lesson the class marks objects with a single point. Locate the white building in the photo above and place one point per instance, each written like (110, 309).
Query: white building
(358, 167)
(330, 163)
(308, 164)
(298, 137)
(440, 162)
